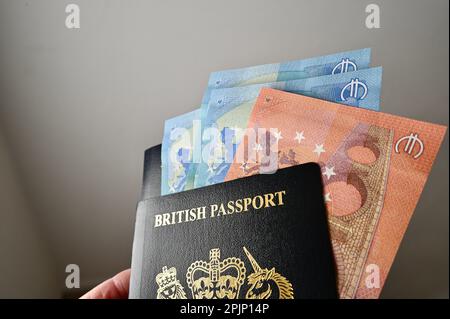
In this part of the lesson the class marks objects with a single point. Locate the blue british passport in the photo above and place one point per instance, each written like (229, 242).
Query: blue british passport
(260, 237)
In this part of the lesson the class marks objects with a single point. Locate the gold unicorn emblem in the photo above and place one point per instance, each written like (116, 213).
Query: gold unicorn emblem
(263, 282)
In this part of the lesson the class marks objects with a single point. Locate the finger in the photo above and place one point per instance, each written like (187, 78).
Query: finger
(114, 288)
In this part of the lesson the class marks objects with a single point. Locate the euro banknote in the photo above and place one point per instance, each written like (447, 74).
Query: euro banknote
(285, 71)
(177, 152)
(231, 108)
(374, 168)
(293, 70)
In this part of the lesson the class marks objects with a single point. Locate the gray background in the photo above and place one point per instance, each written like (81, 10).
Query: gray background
(79, 107)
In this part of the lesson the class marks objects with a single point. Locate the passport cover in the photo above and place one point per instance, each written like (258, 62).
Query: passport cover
(151, 182)
(260, 237)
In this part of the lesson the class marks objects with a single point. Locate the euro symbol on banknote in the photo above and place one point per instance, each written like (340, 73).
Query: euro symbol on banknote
(344, 66)
(355, 89)
(412, 140)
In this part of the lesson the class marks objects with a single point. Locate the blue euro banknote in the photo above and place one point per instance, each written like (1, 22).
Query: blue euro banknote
(231, 108)
(181, 138)
(293, 70)
(285, 71)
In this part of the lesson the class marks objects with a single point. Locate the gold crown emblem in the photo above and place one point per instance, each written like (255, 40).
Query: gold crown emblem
(216, 279)
(169, 286)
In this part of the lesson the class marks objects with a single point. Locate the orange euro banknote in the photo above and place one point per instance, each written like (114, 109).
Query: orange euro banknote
(374, 168)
